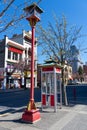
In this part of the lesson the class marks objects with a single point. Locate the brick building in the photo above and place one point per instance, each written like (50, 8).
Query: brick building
(85, 72)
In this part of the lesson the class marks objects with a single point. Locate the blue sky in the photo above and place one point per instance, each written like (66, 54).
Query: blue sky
(75, 12)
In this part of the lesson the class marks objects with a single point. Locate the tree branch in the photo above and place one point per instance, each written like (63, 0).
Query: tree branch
(6, 8)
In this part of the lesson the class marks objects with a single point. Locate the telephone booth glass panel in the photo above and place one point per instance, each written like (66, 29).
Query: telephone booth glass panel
(44, 84)
(47, 88)
(59, 90)
(52, 83)
(58, 77)
(48, 83)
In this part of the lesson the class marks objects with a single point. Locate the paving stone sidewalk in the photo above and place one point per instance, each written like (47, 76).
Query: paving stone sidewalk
(67, 118)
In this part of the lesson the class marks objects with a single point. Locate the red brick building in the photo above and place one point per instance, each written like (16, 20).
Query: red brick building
(85, 72)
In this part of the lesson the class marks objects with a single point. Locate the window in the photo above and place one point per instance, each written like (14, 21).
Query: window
(20, 56)
(9, 54)
(15, 56)
(29, 52)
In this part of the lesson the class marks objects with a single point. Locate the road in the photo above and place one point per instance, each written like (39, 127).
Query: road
(18, 99)
(12, 101)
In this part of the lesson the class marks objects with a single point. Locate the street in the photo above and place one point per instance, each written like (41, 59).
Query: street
(11, 101)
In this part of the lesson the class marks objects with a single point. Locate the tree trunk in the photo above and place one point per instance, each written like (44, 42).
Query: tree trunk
(64, 93)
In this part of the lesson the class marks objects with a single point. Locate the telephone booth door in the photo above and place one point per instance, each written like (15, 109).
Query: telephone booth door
(48, 90)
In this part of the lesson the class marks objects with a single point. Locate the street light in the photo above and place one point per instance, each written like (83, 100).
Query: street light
(32, 114)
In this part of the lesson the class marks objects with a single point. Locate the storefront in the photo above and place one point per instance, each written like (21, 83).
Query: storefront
(27, 77)
(14, 81)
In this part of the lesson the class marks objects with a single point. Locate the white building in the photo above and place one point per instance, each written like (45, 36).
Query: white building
(14, 54)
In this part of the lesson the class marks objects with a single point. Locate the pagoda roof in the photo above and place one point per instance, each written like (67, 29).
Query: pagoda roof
(32, 6)
(50, 65)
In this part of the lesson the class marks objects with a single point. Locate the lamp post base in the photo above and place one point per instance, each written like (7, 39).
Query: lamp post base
(31, 116)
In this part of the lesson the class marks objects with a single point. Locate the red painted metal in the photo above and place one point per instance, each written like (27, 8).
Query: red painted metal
(48, 69)
(32, 66)
(43, 99)
(52, 100)
(58, 70)
(31, 114)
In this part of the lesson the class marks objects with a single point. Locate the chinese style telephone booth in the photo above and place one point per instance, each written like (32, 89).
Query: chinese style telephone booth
(51, 94)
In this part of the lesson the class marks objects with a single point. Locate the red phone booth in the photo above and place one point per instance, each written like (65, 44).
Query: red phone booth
(51, 95)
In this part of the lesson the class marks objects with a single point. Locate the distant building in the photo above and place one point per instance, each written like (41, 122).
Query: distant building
(75, 59)
(67, 73)
(13, 53)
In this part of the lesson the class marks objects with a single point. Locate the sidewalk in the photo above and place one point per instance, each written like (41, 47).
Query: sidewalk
(67, 118)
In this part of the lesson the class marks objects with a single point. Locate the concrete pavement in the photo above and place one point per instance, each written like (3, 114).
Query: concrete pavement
(68, 118)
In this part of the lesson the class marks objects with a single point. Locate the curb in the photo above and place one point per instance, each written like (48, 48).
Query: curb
(11, 90)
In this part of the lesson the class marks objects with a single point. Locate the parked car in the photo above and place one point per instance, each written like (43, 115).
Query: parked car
(73, 82)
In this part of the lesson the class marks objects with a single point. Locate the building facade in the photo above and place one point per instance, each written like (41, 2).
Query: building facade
(85, 72)
(15, 61)
(75, 59)
(67, 74)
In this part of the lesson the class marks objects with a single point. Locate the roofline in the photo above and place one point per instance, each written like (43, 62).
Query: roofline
(34, 4)
(50, 65)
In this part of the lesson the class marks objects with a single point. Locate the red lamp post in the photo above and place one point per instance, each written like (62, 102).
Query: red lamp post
(32, 114)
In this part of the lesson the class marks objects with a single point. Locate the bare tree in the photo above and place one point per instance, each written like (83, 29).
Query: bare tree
(12, 14)
(80, 73)
(56, 41)
(22, 65)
